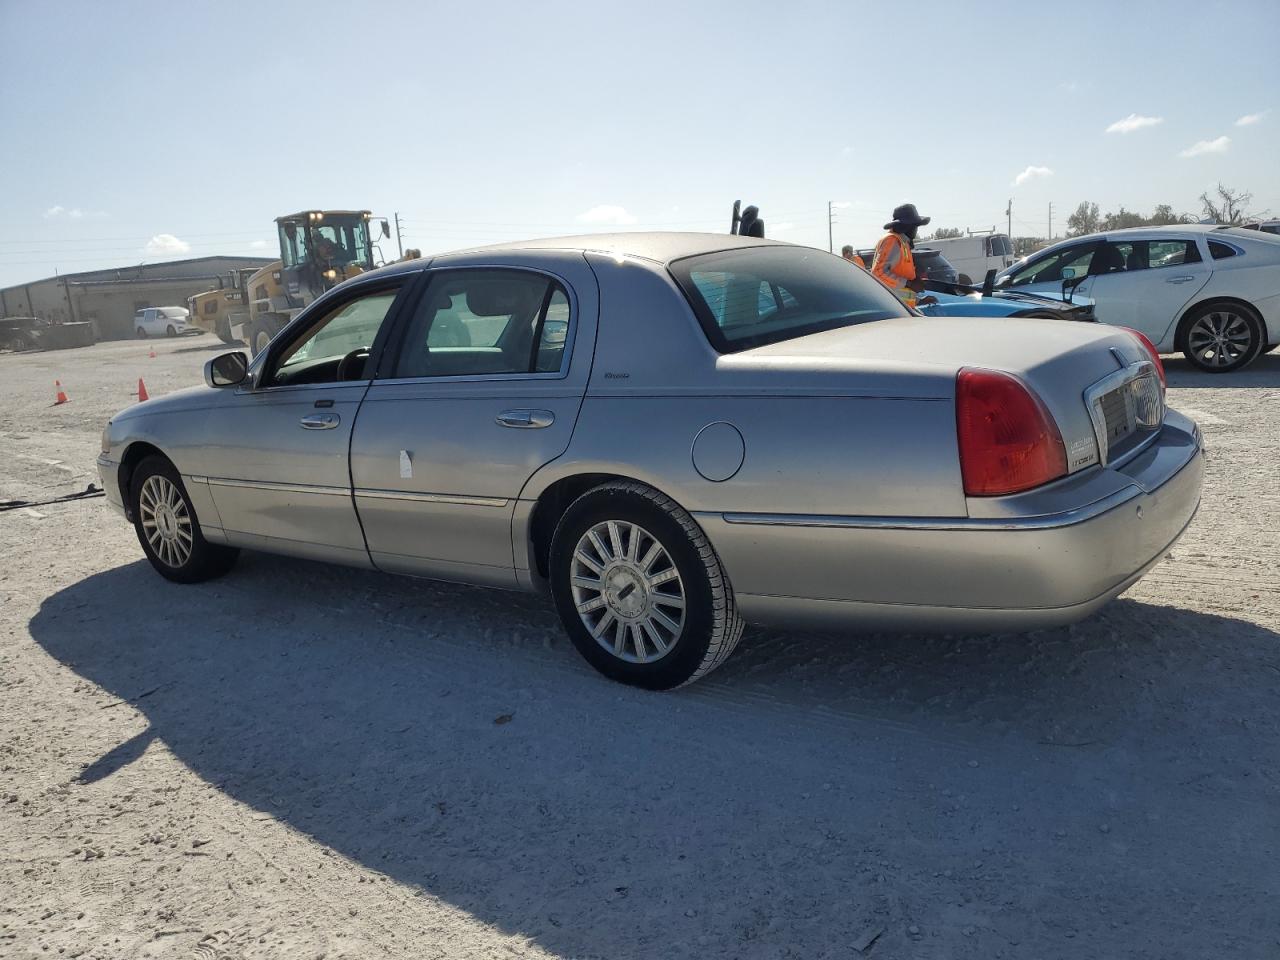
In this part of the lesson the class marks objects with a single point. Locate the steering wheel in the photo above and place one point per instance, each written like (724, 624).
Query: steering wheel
(345, 364)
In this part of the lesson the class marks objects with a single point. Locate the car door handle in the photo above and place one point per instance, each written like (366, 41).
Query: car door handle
(526, 419)
(320, 421)
(1179, 279)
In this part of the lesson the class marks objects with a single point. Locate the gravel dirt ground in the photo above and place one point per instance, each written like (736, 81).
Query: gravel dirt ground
(305, 761)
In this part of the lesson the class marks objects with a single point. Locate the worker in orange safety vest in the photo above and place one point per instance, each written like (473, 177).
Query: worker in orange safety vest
(848, 253)
(893, 264)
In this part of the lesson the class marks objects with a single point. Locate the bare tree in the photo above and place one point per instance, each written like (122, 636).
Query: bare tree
(1228, 206)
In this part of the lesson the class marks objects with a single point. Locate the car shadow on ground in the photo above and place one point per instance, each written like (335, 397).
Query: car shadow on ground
(1263, 372)
(449, 738)
(213, 347)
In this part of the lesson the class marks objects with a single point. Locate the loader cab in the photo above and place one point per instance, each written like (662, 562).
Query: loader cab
(321, 248)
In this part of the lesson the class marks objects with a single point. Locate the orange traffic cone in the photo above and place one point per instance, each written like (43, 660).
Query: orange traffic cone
(60, 395)
(152, 354)
(142, 391)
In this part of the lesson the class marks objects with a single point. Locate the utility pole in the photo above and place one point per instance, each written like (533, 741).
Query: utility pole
(1008, 212)
(831, 219)
(399, 245)
(1051, 221)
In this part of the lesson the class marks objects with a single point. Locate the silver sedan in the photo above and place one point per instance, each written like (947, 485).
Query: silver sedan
(672, 434)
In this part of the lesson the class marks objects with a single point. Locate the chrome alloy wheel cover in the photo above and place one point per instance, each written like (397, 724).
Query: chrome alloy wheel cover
(165, 520)
(627, 591)
(1219, 338)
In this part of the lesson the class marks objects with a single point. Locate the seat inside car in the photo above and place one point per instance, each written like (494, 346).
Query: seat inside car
(1108, 259)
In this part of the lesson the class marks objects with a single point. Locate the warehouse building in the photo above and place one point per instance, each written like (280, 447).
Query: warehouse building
(109, 298)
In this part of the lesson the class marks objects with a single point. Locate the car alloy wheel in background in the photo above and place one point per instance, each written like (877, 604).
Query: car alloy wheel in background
(1221, 338)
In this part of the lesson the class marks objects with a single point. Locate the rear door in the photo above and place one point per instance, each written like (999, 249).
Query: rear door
(484, 387)
(1144, 283)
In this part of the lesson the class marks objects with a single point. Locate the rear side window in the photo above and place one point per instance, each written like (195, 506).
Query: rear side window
(1220, 251)
(756, 295)
(486, 322)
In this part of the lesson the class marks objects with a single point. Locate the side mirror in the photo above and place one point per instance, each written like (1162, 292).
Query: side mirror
(226, 370)
(386, 230)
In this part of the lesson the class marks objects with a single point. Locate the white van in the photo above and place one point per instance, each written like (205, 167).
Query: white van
(975, 255)
(160, 321)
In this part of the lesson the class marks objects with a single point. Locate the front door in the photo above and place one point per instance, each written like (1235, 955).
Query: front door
(483, 389)
(278, 449)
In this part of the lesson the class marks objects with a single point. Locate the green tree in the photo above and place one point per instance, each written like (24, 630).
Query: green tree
(1122, 219)
(947, 233)
(1084, 220)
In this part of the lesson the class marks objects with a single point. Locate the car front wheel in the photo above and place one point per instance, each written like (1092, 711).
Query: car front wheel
(142, 333)
(168, 529)
(1221, 337)
(639, 588)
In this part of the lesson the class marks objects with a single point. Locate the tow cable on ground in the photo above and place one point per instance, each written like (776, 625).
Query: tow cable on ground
(89, 492)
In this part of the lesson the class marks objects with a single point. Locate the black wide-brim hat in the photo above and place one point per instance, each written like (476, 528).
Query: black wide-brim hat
(906, 216)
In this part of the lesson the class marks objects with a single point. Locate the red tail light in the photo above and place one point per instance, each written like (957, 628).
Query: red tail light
(1151, 349)
(1008, 440)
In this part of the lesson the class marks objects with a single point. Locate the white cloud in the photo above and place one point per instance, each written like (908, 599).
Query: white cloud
(1220, 145)
(1249, 119)
(1133, 122)
(166, 245)
(74, 213)
(258, 245)
(1031, 173)
(607, 214)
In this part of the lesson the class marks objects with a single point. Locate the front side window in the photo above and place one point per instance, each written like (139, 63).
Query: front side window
(486, 322)
(1048, 269)
(751, 296)
(334, 348)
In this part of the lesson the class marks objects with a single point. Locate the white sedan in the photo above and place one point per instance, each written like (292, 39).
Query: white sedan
(1211, 292)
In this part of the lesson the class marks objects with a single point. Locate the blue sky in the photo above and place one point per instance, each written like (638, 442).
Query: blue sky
(142, 131)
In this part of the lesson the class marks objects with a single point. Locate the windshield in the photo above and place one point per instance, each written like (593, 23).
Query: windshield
(334, 241)
(751, 296)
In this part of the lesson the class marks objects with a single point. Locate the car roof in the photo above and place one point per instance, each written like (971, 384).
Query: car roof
(659, 246)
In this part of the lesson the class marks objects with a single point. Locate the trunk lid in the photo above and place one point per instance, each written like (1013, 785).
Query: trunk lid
(1060, 360)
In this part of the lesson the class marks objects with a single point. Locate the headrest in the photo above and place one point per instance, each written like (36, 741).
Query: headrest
(498, 299)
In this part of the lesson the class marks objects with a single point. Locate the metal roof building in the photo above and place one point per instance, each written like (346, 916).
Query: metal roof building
(110, 298)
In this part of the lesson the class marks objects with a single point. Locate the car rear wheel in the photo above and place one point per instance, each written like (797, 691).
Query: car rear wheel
(1221, 337)
(639, 588)
(168, 529)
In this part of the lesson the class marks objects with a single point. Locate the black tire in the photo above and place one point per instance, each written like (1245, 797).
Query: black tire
(1241, 322)
(223, 330)
(142, 334)
(261, 334)
(710, 627)
(170, 331)
(205, 560)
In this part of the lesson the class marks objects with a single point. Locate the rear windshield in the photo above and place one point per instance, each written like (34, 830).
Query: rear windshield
(756, 295)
